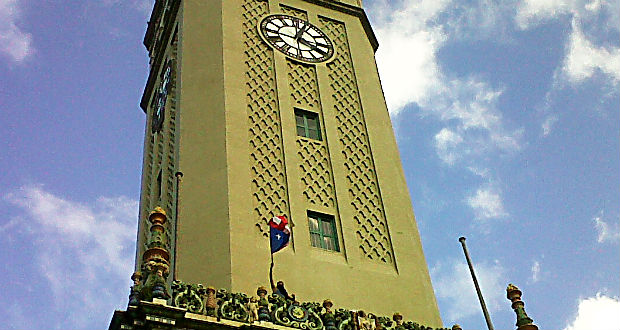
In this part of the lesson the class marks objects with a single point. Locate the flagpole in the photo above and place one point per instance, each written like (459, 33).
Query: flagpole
(473, 276)
(271, 256)
(271, 274)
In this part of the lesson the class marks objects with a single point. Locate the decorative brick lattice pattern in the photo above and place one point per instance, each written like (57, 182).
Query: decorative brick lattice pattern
(269, 189)
(148, 179)
(372, 232)
(294, 12)
(316, 173)
(302, 77)
(302, 81)
(148, 169)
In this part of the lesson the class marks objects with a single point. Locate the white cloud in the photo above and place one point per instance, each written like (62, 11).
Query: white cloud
(535, 271)
(453, 285)
(84, 251)
(447, 143)
(547, 125)
(599, 312)
(606, 232)
(481, 19)
(481, 172)
(583, 59)
(472, 103)
(14, 42)
(487, 203)
(469, 110)
(532, 12)
(591, 20)
(410, 34)
(402, 32)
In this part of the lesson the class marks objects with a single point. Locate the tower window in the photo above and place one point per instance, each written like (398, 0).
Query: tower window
(159, 186)
(307, 124)
(323, 231)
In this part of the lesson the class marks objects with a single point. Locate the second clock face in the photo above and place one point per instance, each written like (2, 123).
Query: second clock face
(160, 101)
(296, 38)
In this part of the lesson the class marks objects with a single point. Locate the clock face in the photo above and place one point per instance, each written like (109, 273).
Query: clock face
(296, 38)
(162, 97)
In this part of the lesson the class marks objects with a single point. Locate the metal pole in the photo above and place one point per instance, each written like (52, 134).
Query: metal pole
(473, 276)
(273, 287)
(178, 175)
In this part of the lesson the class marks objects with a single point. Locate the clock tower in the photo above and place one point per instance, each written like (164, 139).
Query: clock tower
(263, 108)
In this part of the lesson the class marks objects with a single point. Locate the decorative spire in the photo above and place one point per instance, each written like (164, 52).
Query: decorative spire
(398, 319)
(135, 294)
(524, 322)
(328, 317)
(156, 259)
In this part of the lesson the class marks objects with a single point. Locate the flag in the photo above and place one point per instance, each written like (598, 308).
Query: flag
(279, 233)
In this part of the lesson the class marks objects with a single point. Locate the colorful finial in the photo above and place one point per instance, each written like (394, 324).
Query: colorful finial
(524, 322)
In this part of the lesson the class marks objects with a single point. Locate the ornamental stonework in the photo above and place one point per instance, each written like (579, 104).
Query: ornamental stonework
(196, 305)
(316, 175)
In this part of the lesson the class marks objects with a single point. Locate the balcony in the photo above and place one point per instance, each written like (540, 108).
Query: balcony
(194, 306)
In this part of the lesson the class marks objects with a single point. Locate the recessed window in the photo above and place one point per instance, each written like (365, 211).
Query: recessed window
(159, 186)
(323, 231)
(307, 124)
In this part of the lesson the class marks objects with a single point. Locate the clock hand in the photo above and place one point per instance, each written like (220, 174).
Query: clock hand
(286, 35)
(312, 45)
(307, 43)
(301, 32)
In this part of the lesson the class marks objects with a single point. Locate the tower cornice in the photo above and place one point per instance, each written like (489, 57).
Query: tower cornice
(351, 10)
(150, 29)
(155, 47)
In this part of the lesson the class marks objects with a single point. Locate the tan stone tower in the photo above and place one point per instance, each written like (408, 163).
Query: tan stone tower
(257, 108)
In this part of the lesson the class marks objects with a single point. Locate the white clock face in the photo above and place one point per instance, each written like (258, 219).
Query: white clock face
(296, 38)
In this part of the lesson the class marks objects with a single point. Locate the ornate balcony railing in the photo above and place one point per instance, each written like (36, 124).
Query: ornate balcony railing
(275, 309)
(191, 303)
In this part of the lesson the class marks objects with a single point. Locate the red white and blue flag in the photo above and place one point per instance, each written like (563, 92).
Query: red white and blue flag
(280, 233)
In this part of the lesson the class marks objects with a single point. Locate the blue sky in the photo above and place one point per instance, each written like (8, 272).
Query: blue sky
(506, 115)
